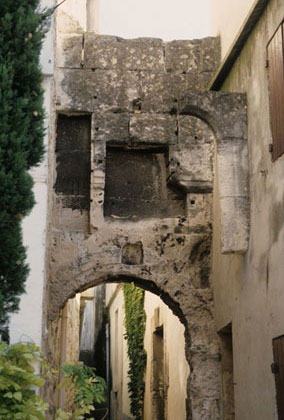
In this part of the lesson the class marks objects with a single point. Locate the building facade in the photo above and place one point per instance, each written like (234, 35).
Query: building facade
(249, 289)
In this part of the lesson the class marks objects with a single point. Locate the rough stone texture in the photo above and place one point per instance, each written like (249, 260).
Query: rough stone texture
(110, 52)
(226, 114)
(157, 129)
(193, 171)
(192, 56)
(132, 254)
(66, 43)
(110, 127)
(99, 90)
(139, 93)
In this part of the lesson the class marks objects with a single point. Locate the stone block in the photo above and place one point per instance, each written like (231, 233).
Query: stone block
(157, 94)
(163, 92)
(102, 51)
(115, 90)
(111, 127)
(110, 52)
(99, 155)
(71, 91)
(186, 82)
(232, 159)
(199, 58)
(151, 128)
(210, 56)
(191, 159)
(144, 54)
(86, 90)
(235, 224)
(199, 209)
(69, 50)
(182, 56)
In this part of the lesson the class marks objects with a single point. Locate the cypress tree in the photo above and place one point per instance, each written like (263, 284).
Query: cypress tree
(21, 139)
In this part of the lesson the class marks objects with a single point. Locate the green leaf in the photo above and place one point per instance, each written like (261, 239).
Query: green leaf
(18, 396)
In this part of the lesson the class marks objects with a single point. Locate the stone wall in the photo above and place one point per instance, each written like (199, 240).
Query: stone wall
(151, 184)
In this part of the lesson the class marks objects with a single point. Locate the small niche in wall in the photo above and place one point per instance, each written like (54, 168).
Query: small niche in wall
(136, 185)
(73, 161)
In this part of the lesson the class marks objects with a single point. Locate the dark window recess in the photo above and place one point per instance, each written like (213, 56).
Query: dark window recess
(278, 369)
(275, 64)
(73, 161)
(136, 185)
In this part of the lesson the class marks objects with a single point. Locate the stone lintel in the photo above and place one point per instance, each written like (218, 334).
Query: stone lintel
(153, 128)
(111, 127)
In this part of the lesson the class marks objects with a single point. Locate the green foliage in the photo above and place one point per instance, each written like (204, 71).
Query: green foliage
(21, 138)
(88, 387)
(134, 321)
(18, 399)
(19, 381)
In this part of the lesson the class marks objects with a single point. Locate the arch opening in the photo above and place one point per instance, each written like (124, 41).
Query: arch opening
(101, 308)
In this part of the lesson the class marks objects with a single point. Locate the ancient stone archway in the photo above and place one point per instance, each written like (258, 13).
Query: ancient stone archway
(147, 212)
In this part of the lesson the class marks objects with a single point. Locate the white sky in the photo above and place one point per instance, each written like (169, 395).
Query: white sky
(166, 19)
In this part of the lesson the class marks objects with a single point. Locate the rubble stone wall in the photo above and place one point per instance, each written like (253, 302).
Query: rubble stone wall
(150, 127)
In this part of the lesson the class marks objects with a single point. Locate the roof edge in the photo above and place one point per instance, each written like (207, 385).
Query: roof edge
(226, 65)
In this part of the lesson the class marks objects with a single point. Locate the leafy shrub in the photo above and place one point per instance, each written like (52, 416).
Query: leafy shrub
(89, 389)
(19, 383)
(18, 380)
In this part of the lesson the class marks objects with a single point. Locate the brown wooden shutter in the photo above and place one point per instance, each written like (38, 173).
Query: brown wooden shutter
(276, 91)
(278, 370)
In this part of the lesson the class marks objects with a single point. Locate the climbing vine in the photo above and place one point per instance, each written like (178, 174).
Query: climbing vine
(134, 322)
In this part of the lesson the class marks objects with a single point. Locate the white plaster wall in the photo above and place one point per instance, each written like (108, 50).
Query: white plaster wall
(73, 10)
(174, 353)
(249, 290)
(26, 325)
(47, 53)
(227, 19)
(88, 327)
(118, 352)
(69, 349)
(110, 290)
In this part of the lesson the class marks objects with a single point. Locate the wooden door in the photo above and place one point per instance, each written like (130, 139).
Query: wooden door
(278, 370)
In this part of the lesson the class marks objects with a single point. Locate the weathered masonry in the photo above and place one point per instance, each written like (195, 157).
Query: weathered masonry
(134, 156)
